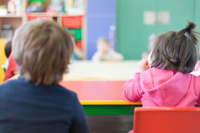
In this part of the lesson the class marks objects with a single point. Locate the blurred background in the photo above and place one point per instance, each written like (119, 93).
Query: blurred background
(128, 25)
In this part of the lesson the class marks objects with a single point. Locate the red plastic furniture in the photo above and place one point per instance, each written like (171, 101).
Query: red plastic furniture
(167, 120)
(72, 22)
(37, 17)
(79, 44)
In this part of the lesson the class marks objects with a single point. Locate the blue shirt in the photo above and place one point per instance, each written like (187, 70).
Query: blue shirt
(28, 108)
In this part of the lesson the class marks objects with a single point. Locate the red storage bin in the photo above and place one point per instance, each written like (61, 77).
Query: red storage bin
(37, 17)
(79, 44)
(72, 22)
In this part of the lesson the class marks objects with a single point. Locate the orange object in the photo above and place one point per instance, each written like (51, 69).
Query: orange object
(167, 120)
(72, 22)
(79, 44)
(11, 68)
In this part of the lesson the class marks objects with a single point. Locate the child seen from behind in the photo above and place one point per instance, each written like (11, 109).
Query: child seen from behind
(35, 102)
(165, 79)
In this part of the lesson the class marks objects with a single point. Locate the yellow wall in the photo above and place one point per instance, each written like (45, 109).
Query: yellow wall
(2, 59)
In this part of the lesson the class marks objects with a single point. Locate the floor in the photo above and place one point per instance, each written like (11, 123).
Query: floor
(110, 123)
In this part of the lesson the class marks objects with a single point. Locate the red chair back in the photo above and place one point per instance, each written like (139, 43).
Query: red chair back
(167, 120)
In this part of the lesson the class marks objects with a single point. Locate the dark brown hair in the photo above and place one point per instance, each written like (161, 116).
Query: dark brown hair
(176, 50)
(8, 48)
(42, 50)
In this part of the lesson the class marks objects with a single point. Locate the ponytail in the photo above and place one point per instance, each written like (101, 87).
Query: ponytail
(192, 35)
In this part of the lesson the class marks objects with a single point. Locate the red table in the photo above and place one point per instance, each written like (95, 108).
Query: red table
(101, 97)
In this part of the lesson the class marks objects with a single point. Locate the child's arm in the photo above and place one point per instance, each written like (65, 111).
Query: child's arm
(79, 124)
(132, 90)
(114, 56)
(97, 56)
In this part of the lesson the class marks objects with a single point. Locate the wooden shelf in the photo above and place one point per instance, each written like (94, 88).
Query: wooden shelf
(34, 14)
(11, 16)
(47, 14)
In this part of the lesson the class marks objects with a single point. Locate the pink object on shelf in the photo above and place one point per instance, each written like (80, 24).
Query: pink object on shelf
(11, 7)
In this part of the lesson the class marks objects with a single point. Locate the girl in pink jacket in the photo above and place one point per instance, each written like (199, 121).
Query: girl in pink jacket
(165, 79)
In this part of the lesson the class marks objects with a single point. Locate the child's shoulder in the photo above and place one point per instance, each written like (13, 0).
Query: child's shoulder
(156, 72)
(67, 91)
(21, 87)
(9, 83)
(9, 86)
(23, 84)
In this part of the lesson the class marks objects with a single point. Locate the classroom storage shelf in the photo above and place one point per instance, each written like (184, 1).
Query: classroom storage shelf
(11, 16)
(15, 20)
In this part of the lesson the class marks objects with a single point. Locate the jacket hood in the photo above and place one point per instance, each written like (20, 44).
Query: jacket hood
(159, 85)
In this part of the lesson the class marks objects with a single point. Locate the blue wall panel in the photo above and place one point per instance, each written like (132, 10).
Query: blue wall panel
(100, 6)
(99, 27)
(100, 15)
(91, 50)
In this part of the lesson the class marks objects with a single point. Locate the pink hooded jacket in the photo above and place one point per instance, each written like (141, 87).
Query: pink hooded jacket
(163, 88)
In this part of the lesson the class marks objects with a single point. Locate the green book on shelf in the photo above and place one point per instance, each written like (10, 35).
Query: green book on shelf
(76, 33)
(37, 1)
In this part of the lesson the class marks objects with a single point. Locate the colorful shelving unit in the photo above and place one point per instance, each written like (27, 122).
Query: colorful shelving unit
(73, 23)
(74, 26)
